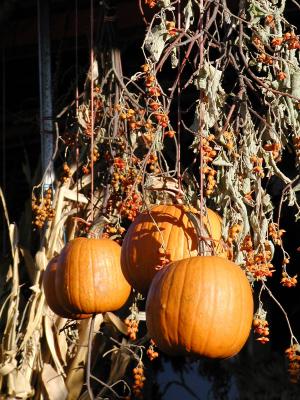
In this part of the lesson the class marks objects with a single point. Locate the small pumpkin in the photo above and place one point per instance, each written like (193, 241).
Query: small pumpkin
(89, 278)
(201, 305)
(50, 293)
(165, 227)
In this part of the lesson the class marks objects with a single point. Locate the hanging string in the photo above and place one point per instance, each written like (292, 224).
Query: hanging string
(3, 183)
(179, 105)
(92, 107)
(76, 107)
(201, 60)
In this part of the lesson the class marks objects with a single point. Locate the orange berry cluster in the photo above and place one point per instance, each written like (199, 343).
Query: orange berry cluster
(162, 119)
(257, 166)
(149, 135)
(42, 209)
(210, 180)
(152, 88)
(228, 135)
(269, 20)
(132, 327)
(257, 264)
(293, 355)
(288, 38)
(125, 198)
(281, 76)
(170, 25)
(139, 381)
(151, 3)
(276, 233)
(164, 258)
(133, 118)
(261, 328)
(151, 353)
(153, 163)
(256, 40)
(66, 175)
(297, 144)
(69, 138)
(130, 208)
(265, 59)
(288, 281)
(113, 230)
(274, 148)
(208, 153)
(170, 134)
(86, 169)
(88, 129)
(233, 232)
(248, 197)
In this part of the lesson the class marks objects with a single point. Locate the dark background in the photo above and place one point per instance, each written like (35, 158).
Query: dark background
(259, 372)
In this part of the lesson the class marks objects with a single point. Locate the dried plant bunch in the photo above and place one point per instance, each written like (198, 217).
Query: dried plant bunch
(200, 133)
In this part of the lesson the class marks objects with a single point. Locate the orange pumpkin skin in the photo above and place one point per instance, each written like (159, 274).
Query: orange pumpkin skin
(50, 293)
(202, 306)
(140, 250)
(89, 278)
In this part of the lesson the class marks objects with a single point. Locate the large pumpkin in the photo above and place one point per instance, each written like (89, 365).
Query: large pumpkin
(169, 227)
(89, 278)
(50, 293)
(200, 305)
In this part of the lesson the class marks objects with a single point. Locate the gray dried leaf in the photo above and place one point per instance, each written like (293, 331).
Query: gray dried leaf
(164, 4)
(174, 58)
(155, 41)
(222, 160)
(188, 15)
(295, 84)
(208, 79)
(94, 72)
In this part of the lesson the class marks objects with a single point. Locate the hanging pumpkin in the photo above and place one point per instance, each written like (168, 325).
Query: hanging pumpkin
(164, 234)
(89, 278)
(50, 293)
(201, 305)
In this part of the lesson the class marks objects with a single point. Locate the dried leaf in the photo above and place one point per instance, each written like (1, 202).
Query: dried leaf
(188, 15)
(74, 196)
(155, 41)
(54, 383)
(174, 58)
(116, 321)
(76, 371)
(165, 4)
(8, 367)
(29, 262)
(222, 160)
(18, 385)
(94, 72)
(51, 344)
(41, 259)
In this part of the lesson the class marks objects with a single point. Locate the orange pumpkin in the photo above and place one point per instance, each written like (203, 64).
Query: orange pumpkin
(89, 278)
(165, 227)
(50, 293)
(201, 305)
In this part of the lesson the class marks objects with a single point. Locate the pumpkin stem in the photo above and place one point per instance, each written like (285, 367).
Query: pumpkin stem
(203, 235)
(97, 227)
